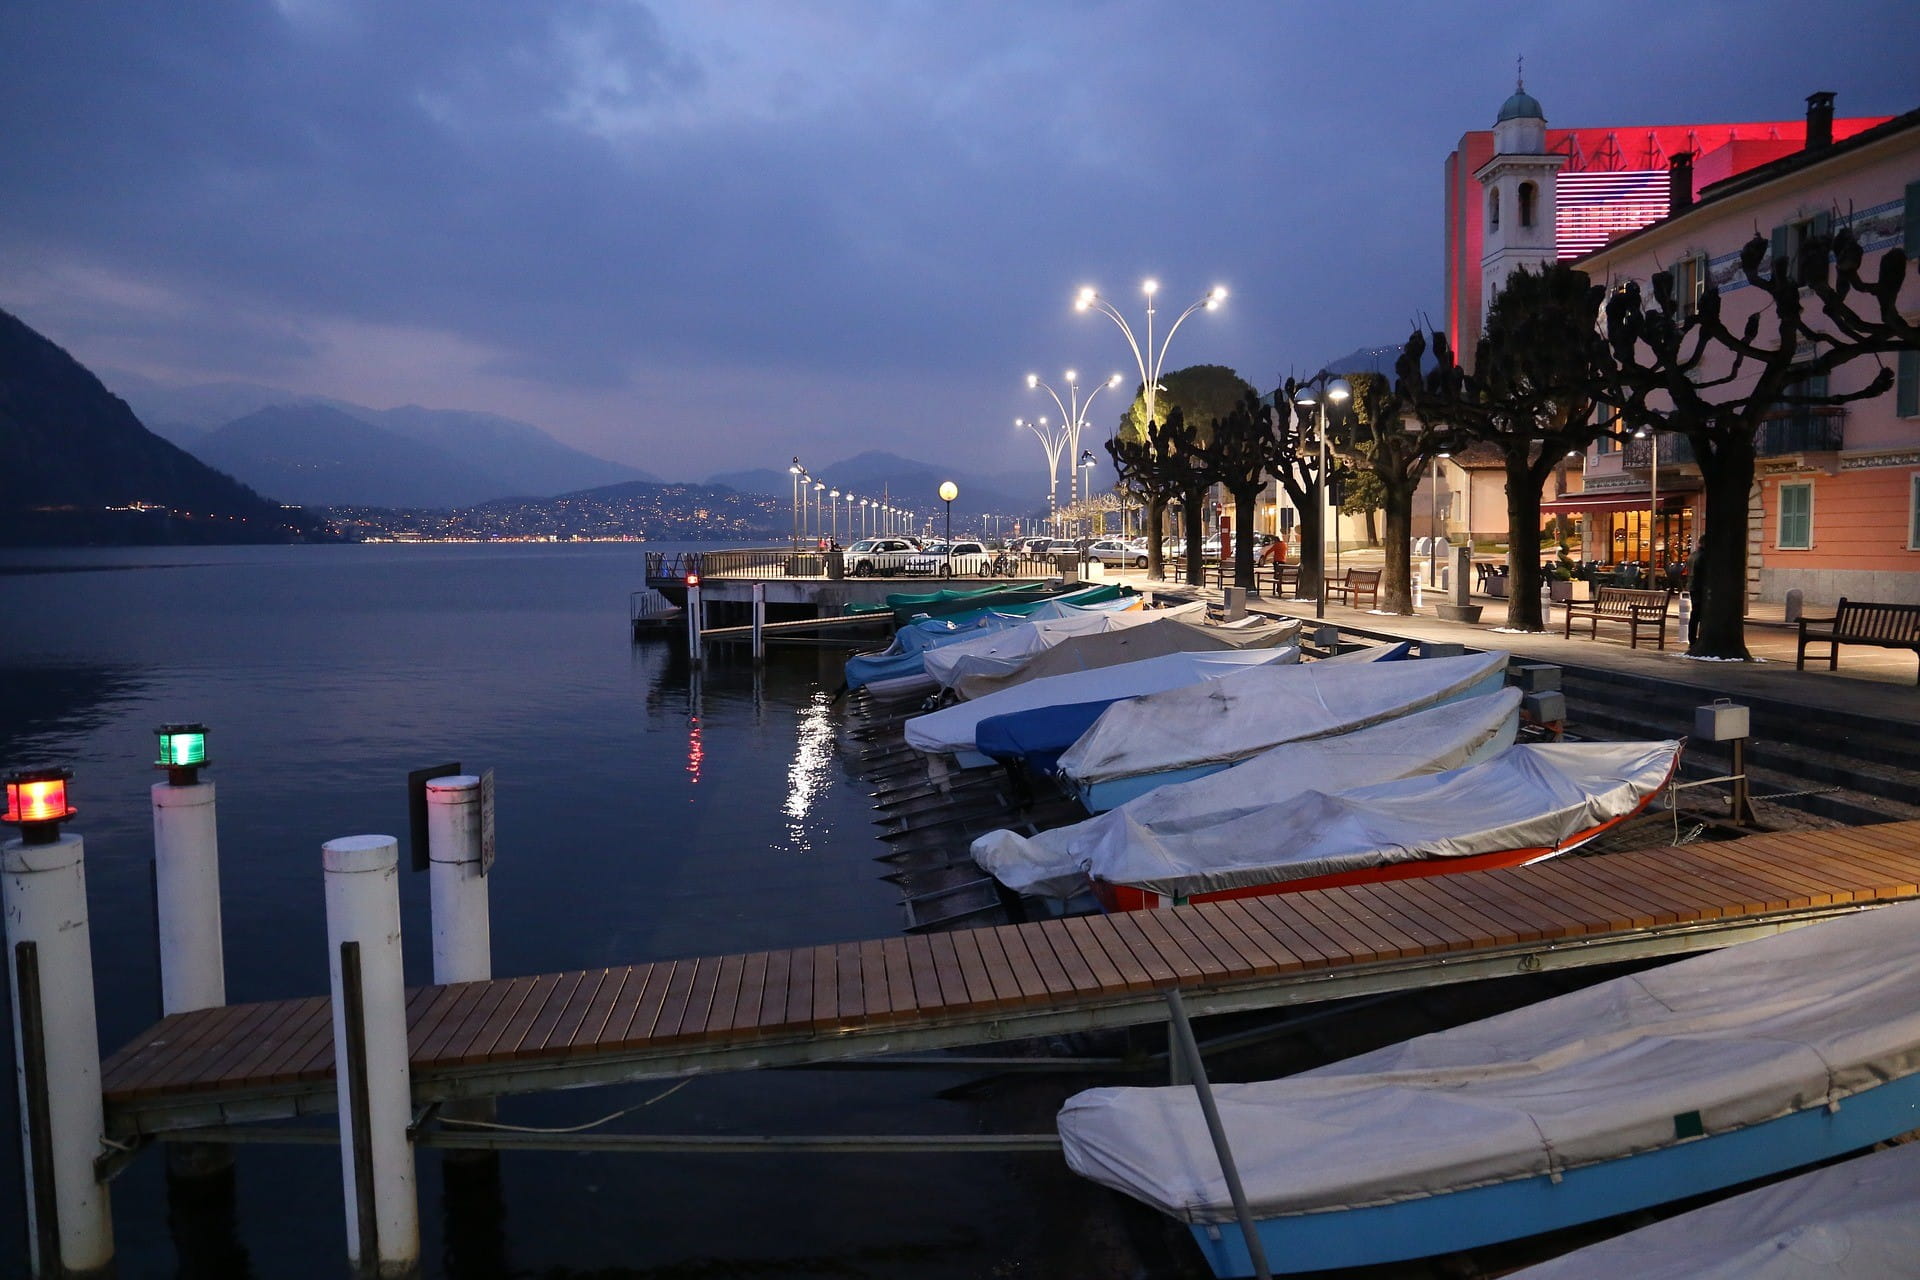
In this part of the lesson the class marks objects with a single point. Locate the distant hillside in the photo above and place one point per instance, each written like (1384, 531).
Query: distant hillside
(502, 456)
(77, 467)
(315, 455)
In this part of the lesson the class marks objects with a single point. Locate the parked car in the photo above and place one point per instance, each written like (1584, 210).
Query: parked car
(1116, 551)
(1057, 547)
(964, 558)
(871, 556)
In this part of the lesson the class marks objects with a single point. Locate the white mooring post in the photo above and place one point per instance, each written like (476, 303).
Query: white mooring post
(759, 622)
(186, 885)
(694, 623)
(56, 1055)
(375, 1084)
(462, 921)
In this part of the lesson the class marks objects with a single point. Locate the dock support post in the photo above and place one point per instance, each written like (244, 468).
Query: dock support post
(462, 918)
(695, 622)
(56, 1056)
(1189, 1049)
(759, 622)
(371, 1068)
(186, 879)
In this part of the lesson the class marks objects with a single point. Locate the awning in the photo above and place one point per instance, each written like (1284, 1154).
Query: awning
(1612, 500)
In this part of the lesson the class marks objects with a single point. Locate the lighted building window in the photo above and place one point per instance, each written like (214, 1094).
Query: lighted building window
(1527, 193)
(1690, 283)
(1796, 517)
(1493, 209)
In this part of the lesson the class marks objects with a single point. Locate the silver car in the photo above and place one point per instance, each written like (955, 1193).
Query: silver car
(1117, 551)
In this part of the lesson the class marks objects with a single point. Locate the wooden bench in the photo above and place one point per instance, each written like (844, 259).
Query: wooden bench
(1891, 626)
(1286, 580)
(1637, 608)
(1354, 585)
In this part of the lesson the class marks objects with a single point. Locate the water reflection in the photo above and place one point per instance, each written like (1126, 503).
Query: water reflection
(807, 779)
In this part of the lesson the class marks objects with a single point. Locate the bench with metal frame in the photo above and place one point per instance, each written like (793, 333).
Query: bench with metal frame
(1355, 584)
(1890, 626)
(1638, 608)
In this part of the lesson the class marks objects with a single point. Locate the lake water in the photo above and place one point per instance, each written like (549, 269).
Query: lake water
(639, 819)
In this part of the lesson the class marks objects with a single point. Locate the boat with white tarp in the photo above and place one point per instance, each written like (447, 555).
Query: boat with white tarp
(1738, 1064)
(1007, 650)
(1059, 863)
(950, 730)
(1177, 734)
(1154, 635)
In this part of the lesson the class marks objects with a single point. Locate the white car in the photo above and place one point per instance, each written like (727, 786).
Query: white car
(1116, 551)
(883, 556)
(964, 559)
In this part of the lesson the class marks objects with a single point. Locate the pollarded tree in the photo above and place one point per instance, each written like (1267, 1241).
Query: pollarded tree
(1294, 460)
(1236, 451)
(1201, 393)
(1688, 371)
(1531, 394)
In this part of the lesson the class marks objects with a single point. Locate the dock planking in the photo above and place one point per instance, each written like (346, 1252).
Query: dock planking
(969, 985)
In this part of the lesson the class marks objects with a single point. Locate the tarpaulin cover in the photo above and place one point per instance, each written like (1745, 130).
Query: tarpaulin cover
(906, 655)
(1008, 649)
(1230, 719)
(1547, 796)
(1182, 630)
(1729, 1039)
(951, 728)
(1057, 863)
(1036, 738)
(1859, 1220)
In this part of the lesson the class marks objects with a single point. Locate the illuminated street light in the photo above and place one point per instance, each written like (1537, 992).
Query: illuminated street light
(1074, 410)
(948, 492)
(1149, 361)
(799, 476)
(1337, 391)
(1053, 440)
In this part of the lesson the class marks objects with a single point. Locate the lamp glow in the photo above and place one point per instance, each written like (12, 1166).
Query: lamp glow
(948, 491)
(1339, 391)
(1149, 287)
(37, 803)
(182, 752)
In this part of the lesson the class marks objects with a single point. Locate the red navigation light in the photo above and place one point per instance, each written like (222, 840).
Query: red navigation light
(37, 803)
(693, 579)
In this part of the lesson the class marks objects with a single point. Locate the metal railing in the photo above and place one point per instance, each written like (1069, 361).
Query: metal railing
(1675, 449)
(1801, 429)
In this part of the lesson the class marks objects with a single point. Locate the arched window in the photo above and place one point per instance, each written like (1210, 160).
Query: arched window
(1527, 192)
(1493, 209)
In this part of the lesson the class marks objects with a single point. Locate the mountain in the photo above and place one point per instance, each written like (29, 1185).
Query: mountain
(316, 455)
(516, 457)
(77, 467)
(910, 484)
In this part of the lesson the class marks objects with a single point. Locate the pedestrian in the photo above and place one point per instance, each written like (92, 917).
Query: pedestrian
(1696, 593)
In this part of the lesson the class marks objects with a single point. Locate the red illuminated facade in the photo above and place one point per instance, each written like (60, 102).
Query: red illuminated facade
(1614, 181)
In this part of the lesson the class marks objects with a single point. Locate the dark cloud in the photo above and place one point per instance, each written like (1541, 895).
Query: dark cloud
(684, 234)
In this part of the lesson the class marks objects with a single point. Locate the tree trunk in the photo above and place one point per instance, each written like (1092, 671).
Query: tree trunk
(1373, 532)
(1523, 546)
(1243, 503)
(1156, 523)
(1196, 530)
(1396, 583)
(1720, 602)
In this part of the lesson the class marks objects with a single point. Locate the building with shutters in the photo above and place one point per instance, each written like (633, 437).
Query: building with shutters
(1835, 510)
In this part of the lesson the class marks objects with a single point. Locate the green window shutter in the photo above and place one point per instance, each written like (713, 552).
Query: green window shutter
(1796, 516)
(1907, 384)
(1913, 220)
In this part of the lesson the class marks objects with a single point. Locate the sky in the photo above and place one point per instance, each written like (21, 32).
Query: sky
(702, 235)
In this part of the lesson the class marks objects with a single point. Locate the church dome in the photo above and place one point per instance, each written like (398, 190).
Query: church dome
(1521, 106)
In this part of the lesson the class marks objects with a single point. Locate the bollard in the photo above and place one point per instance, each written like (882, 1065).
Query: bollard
(1416, 593)
(759, 622)
(462, 922)
(1234, 603)
(371, 1069)
(1795, 604)
(186, 885)
(56, 1056)
(694, 622)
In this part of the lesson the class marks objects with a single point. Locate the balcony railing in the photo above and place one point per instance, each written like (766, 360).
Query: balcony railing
(1637, 454)
(1801, 429)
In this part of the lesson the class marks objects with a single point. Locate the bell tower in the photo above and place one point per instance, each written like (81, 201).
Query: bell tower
(1517, 188)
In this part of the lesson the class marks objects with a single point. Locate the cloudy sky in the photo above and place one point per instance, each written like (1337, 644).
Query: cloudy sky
(695, 235)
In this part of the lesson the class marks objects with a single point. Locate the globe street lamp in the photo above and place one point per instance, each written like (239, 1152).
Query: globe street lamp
(1076, 416)
(948, 492)
(798, 471)
(1337, 391)
(1149, 361)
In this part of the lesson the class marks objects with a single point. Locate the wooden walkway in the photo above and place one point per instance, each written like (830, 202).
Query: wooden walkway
(813, 1004)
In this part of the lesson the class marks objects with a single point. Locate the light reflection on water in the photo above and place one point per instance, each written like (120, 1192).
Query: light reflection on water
(808, 775)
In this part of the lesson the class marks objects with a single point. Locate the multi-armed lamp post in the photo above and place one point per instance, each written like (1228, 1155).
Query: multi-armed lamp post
(1073, 411)
(1054, 441)
(1150, 362)
(1336, 391)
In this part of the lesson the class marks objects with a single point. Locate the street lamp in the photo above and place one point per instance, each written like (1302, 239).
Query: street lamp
(1653, 493)
(819, 524)
(1087, 463)
(1076, 415)
(1149, 361)
(1337, 391)
(948, 492)
(1433, 542)
(1053, 440)
(798, 472)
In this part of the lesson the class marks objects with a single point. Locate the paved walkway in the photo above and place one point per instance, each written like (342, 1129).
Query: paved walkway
(1873, 682)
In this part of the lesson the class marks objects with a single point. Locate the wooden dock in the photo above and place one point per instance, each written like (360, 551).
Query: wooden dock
(855, 999)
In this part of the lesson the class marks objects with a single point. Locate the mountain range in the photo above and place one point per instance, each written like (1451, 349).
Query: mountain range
(76, 465)
(312, 449)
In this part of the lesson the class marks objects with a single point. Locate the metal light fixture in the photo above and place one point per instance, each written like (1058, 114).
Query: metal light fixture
(37, 803)
(948, 492)
(182, 752)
